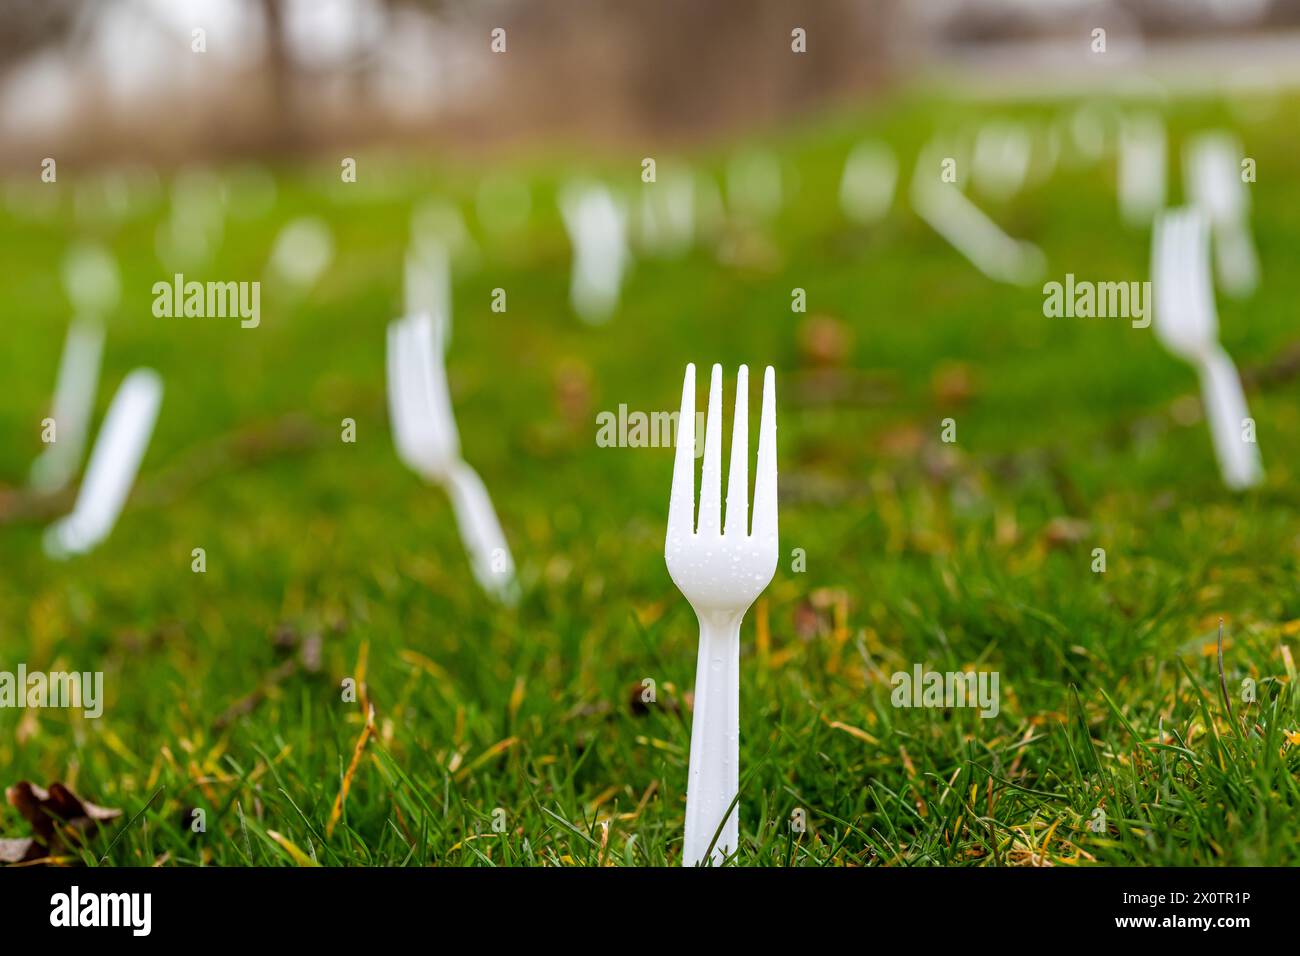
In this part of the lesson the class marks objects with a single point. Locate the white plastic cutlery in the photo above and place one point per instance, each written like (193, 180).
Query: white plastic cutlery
(1186, 322)
(114, 461)
(720, 568)
(439, 221)
(597, 226)
(1141, 174)
(424, 432)
(867, 186)
(302, 252)
(93, 285)
(1212, 173)
(424, 429)
(74, 401)
(91, 279)
(971, 232)
(666, 214)
(1000, 161)
(427, 285)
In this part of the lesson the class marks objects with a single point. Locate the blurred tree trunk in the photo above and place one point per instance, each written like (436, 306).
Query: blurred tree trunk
(618, 67)
(283, 130)
(30, 25)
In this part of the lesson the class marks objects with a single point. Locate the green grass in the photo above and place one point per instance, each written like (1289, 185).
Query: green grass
(947, 555)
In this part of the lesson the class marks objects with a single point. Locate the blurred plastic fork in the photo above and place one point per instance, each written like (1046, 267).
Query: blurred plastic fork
(424, 431)
(74, 403)
(1187, 324)
(1212, 174)
(427, 285)
(597, 226)
(720, 569)
(1141, 172)
(967, 228)
(114, 461)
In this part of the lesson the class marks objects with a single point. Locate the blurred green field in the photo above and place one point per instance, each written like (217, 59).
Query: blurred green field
(953, 556)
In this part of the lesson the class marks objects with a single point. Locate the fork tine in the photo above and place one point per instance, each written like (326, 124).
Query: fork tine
(711, 476)
(1196, 249)
(738, 476)
(765, 479)
(1162, 274)
(1171, 269)
(1184, 258)
(1180, 256)
(397, 387)
(681, 503)
(1204, 272)
(1187, 264)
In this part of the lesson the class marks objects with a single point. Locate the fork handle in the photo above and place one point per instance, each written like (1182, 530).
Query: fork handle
(481, 532)
(714, 771)
(1225, 407)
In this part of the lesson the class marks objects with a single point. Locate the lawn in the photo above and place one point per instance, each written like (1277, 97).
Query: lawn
(518, 736)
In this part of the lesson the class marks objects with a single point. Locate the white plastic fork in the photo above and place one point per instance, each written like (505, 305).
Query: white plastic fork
(115, 459)
(968, 228)
(1141, 173)
(93, 285)
(720, 569)
(1000, 160)
(665, 218)
(868, 183)
(427, 285)
(597, 226)
(91, 279)
(1212, 177)
(74, 401)
(1187, 324)
(302, 252)
(424, 431)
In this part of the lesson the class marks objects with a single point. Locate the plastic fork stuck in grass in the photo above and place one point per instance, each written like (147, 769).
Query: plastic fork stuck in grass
(1141, 172)
(74, 401)
(424, 431)
(427, 285)
(665, 219)
(597, 226)
(1000, 162)
(1187, 324)
(968, 229)
(1212, 174)
(114, 461)
(867, 185)
(720, 568)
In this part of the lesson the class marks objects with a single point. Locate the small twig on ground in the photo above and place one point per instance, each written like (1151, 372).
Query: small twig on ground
(307, 658)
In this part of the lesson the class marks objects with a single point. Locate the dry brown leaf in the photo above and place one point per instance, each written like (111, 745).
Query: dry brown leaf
(22, 850)
(58, 817)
